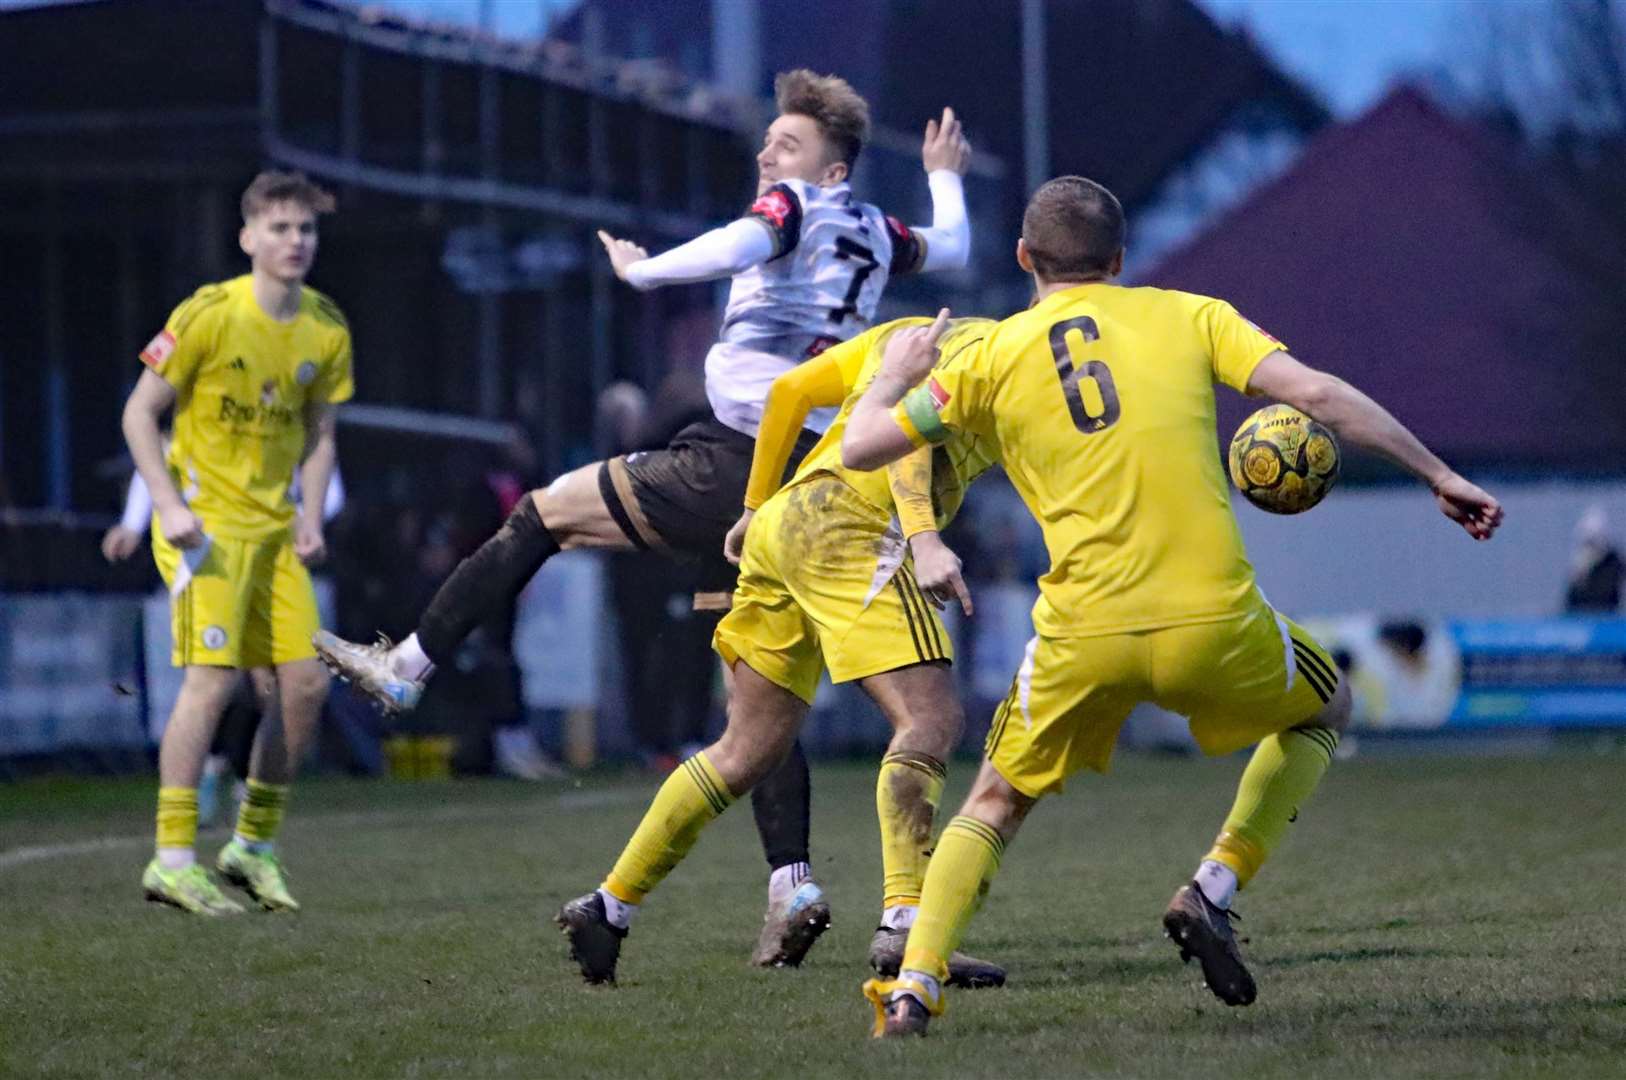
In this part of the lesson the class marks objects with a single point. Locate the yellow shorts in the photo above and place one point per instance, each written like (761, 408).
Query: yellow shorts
(825, 583)
(243, 604)
(1236, 681)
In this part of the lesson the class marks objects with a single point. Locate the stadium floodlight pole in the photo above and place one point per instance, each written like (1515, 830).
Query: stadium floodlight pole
(1035, 101)
(736, 54)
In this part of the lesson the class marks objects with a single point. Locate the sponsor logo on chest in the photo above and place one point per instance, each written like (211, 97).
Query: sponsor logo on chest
(268, 411)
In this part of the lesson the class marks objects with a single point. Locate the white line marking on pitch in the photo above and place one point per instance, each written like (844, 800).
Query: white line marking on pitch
(582, 800)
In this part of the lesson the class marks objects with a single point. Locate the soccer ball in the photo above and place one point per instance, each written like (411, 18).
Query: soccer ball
(1283, 461)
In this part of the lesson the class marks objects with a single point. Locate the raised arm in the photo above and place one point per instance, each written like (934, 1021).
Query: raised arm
(150, 399)
(946, 155)
(720, 253)
(873, 436)
(1360, 421)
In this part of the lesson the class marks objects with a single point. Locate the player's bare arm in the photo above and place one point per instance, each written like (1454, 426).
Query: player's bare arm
(315, 473)
(151, 398)
(1359, 420)
(937, 567)
(873, 437)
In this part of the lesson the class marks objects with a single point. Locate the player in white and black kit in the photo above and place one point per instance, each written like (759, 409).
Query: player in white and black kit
(809, 263)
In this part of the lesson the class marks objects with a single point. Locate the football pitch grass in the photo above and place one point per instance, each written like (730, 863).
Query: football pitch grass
(1427, 916)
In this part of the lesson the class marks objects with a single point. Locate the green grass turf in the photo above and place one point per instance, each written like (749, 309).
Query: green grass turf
(1427, 916)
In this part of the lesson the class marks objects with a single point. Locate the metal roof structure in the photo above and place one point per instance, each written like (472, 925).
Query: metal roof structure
(471, 173)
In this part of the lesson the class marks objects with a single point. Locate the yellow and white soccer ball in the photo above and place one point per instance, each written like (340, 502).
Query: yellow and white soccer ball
(1283, 461)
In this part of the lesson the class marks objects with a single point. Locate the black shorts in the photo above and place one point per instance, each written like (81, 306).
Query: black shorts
(682, 500)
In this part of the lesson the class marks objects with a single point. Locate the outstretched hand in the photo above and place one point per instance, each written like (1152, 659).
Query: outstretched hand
(623, 253)
(945, 145)
(1468, 505)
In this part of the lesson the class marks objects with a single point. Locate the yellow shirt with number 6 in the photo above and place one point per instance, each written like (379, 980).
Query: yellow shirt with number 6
(1100, 402)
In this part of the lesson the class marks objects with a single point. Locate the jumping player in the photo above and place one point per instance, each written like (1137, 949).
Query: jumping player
(809, 263)
(827, 583)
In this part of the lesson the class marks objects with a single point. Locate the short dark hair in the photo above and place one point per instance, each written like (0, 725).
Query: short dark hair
(832, 104)
(1072, 226)
(273, 186)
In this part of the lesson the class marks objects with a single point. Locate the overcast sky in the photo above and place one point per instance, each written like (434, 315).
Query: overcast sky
(1350, 50)
(1347, 50)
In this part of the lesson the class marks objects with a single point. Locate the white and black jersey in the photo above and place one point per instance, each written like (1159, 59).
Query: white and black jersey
(832, 258)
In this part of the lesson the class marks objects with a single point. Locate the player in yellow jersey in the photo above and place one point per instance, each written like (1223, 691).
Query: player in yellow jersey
(826, 583)
(253, 369)
(1099, 400)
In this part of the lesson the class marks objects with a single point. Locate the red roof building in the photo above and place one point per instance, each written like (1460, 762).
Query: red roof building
(1419, 257)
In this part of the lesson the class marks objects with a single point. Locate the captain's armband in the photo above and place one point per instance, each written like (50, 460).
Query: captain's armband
(917, 415)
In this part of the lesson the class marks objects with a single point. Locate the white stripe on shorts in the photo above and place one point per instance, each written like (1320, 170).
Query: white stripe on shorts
(889, 556)
(1024, 680)
(1287, 649)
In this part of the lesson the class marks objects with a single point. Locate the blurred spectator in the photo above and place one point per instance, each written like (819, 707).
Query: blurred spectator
(481, 689)
(665, 649)
(1596, 571)
(996, 537)
(1417, 675)
(394, 555)
(1349, 742)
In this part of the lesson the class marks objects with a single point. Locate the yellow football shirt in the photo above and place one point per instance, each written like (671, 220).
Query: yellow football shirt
(1100, 402)
(955, 463)
(242, 382)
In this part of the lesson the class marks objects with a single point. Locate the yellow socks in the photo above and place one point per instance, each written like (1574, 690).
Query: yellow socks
(906, 796)
(261, 814)
(1282, 774)
(962, 868)
(177, 826)
(691, 797)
